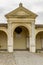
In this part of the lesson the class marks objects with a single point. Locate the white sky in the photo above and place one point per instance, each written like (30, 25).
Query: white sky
(34, 5)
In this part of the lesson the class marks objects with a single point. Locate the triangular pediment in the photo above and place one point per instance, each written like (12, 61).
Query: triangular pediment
(21, 12)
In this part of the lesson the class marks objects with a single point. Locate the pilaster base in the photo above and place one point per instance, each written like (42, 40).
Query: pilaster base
(10, 48)
(32, 48)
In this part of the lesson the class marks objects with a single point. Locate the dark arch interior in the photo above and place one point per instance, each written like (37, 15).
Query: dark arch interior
(40, 34)
(3, 41)
(20, 36)
(18, 30)
(39, 41)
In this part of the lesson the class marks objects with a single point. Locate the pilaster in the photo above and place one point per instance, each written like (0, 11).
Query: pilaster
(10, 38)
(32, 38)
(27, 42)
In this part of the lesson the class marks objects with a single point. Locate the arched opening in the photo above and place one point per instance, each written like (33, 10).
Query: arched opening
(21, 38)
(3, 41)
(39, 40)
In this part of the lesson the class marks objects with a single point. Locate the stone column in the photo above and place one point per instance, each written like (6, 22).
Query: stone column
(27, 42)
(32, 38)
(10, 38)
(42, 42)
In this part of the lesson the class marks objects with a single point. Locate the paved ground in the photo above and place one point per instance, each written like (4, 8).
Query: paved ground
(26, 58)
(7, 58)
(21, 58)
